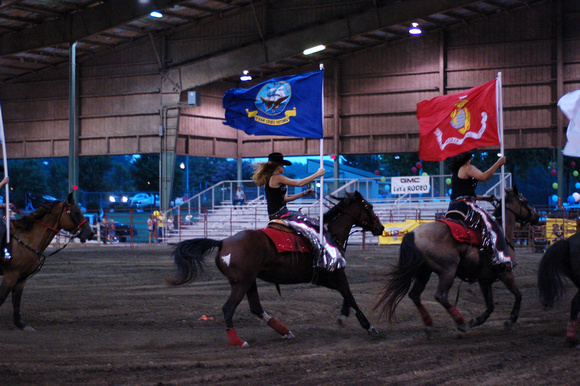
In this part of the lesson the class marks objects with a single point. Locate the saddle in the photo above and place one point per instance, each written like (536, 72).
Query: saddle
(461, 232)
(285, 238)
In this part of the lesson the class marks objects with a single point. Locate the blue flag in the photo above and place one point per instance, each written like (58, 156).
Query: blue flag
(289, 106)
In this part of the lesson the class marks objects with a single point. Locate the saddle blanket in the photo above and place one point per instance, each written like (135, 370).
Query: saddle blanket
(286, 241)
(461, 233)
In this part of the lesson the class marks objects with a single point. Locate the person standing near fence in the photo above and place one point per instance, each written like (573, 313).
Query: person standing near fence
(160, 224)
(111, 230)
(105, 227)
(152, 228)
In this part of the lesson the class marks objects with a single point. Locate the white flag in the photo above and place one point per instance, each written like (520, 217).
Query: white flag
(570, 106)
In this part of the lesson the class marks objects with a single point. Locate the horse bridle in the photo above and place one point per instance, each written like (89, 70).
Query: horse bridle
(41, 255)
(521, 205)
(365, 224)
(77, 230)
(66, 208)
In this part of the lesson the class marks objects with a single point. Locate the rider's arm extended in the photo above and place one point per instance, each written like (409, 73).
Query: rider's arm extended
(474, 172)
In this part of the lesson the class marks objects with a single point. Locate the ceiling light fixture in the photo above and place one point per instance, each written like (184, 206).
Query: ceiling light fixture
(156, 14)
(246, 76)
(415, 30)
(314, 49)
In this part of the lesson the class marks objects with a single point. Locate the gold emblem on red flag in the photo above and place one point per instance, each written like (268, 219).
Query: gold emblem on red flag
(460, 117)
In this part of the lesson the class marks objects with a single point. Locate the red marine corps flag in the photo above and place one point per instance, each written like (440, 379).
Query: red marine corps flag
(452, 124)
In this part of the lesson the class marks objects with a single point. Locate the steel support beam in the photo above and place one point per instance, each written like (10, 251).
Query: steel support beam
(73, 139)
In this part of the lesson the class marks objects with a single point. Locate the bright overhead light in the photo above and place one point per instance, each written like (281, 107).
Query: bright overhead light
(415, 30)
(246, 76)
(156, 14)
(312, 50)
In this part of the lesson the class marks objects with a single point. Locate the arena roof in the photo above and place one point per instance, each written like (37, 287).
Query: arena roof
(35, 35)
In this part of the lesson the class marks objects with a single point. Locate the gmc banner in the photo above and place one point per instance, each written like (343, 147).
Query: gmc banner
(410, 185)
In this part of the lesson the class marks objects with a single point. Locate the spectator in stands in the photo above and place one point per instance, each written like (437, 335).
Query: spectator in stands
(240, 197)
(271, 175)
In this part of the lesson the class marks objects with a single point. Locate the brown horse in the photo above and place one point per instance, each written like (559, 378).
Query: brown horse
(30, 236)
(562, 259)
(250, 254)
(431, 248)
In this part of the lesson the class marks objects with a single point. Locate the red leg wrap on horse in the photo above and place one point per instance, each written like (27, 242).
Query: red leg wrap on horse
(233, 338)
(278, 327)
(454, 312)
(425, 315)
(571, 332)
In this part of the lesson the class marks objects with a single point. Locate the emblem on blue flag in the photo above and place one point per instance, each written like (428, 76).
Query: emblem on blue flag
(290, 106)
(273, 97)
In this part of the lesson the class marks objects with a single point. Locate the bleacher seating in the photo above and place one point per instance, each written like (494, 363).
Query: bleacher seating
(227, 220)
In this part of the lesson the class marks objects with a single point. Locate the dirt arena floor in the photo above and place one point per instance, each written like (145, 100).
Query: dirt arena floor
(104, 315)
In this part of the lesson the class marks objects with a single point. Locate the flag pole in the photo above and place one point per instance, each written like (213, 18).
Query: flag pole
(5, 159)
(499, 104)
(321, 225)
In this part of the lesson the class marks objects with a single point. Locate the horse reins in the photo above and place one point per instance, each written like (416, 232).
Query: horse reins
(529, 219)
(366, 225)
(42, 256)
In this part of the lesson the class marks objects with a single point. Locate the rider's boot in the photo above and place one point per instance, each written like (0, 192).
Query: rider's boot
(503, 262)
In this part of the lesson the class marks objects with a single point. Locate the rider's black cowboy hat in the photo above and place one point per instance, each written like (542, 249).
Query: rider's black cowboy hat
(279, 158)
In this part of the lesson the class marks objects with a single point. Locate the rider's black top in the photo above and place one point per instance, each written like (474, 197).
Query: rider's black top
(462, 186)
(275, 197)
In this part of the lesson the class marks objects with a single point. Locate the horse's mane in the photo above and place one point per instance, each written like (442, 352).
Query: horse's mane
(26, 222)
(337, 209)
(510, 195)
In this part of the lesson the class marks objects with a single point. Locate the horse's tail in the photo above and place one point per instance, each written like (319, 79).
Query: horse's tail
(400, 278)
(189, 258)
(554, 265)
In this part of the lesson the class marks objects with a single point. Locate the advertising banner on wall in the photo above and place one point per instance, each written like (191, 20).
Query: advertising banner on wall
(410, 185)
(394, 231)
(559, 229)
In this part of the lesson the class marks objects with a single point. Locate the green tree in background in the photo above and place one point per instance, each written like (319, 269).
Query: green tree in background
(93, 172)
(145, 173)
(27, 176)
(58, 172)
(531, 170)
(119, 178)
(362, 161)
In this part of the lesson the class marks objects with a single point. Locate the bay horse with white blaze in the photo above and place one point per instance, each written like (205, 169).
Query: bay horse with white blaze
(30, 236)
(562, 259)
(432, 248)
(251, 254)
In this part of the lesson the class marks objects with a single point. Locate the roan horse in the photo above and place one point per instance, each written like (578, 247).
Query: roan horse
(250, 254)
(431, 248)
(30, 236)
(562, 259)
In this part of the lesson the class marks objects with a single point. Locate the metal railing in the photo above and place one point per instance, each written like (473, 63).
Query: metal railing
(213, 206)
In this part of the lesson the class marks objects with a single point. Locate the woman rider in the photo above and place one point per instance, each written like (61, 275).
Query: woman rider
(271, 175)
(464, 179)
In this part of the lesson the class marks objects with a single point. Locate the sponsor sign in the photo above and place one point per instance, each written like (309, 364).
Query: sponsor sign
(410, 185)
